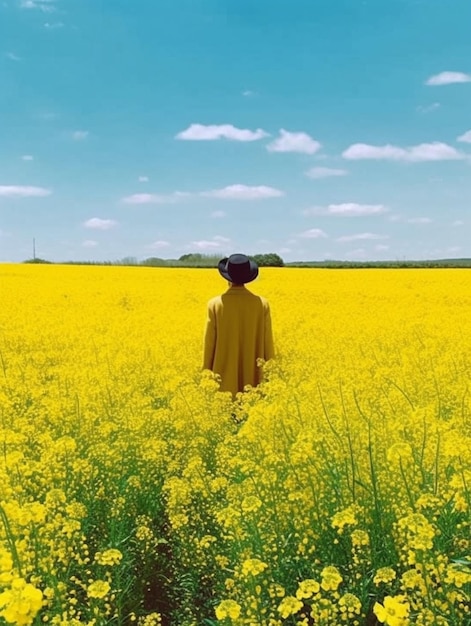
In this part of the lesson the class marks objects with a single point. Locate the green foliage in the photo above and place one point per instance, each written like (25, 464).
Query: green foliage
(36, 260)
(268, 260)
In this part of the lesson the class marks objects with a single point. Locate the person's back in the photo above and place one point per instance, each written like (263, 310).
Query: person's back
(238, 328)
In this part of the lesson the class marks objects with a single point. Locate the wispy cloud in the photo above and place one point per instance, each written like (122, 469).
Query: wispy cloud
(154, 198)
(294, 142)
(12, 56)
(80, 135)
(159, 244)
(325, 172)
(313, 233)
(53, 25)
(361, 237)
(348, 209)
(243, 192)
(448, 78)
(428, 108)
(143, 179)
(47, 6)
(18, 191)
(217, 242)
(89, 243)
(248, 93)
(435, 151)
(457, 223)
(419, 220)
(218, 214)
(466, 137)
(97, 223)
(27, 157)
(213, 132)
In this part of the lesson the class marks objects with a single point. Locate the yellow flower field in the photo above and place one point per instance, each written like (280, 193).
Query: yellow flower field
(132, 491)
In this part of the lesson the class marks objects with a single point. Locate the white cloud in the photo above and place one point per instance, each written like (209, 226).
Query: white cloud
(47, 6)
(15, 191)
(466, 137)
(218, 214)
(428, 108)
(143, 179)
(99, 224)
(435, 151)
(27, 157)
(221, 239)
(325, 172)
(152, 198)
(89, 243)
(54, 25)
(200, 132)
(348, 209)
(12, 56)
(294, 142)
(380, 247)
(458, 223)
(80, 135)
(159, 244)
(419, 220)
(361, 237)
(448, 78)
(313, 233)
(204, 244)
(248, 93)
(243, 192)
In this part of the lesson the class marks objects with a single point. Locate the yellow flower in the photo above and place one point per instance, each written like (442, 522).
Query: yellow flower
(384, 575)
(360, 538)
(347, 517)
(331, 578)
(98, 589)
(20, 604)
(307, 588)
(112, 556)
(350, 604)
(393, 612)
(228, 608)
(253, 567)
(289, 606)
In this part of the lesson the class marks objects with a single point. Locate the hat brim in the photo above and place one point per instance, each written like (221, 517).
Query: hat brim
(249, 277)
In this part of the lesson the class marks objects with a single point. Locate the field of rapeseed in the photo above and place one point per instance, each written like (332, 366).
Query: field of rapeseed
(131, 491)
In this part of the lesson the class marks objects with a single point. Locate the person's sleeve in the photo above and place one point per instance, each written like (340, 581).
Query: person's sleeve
(269, 346)
(209, 340)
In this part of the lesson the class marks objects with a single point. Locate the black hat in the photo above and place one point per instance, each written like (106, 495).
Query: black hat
(238, 269)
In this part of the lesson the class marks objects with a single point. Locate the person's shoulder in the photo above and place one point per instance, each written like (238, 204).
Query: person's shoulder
(214, 302)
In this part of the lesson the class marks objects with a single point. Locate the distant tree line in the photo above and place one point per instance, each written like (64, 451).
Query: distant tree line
(192, 259)
(196, 259)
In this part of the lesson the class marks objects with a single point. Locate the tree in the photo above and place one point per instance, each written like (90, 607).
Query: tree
(268, 260)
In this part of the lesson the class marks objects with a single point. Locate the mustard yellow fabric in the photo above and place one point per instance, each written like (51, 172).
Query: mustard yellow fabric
(238, 332)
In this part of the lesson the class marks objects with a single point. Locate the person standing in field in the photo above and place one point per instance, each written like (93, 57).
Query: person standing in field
(238, 328)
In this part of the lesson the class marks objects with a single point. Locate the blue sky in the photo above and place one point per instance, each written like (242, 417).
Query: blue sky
(316, 129)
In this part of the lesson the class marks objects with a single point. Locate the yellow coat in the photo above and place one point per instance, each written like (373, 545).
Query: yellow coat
(238, 332)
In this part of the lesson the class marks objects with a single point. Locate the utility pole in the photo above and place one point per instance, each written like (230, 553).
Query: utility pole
(34, 249)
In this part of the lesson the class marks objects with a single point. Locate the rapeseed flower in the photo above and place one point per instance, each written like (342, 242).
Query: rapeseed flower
(393, 612)
(289, 606)
(228, 608)
(331, 578)
(98, 589)
(20, 603)
(253, 567)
